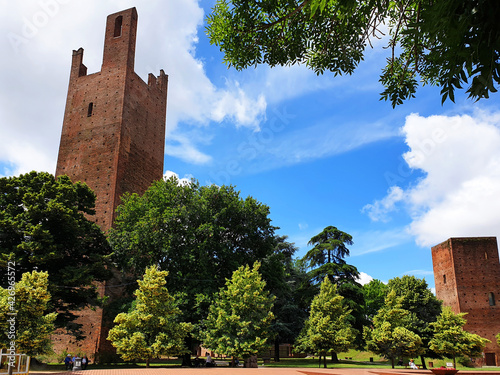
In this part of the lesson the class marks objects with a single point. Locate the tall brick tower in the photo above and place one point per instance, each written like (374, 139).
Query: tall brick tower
(112, 139)
(113, 133)
(467, 278)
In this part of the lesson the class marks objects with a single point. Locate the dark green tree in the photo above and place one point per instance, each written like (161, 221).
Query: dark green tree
(199, 234)
(289, 283)
(326, 259)
(374, 294)
(43, 226)
(449, 43)
(416, 297)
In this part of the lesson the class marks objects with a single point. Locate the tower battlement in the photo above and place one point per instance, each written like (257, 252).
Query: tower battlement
(113, 137)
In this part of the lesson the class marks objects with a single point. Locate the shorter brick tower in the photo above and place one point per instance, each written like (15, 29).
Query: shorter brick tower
(467, 278)
(112, 139)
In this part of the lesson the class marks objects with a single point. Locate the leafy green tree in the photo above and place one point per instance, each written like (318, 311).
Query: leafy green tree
(451, 340)
(199, 234)
(498, 338)
(43, 227)
(327, 329)
(450, 43)
(239, 320)
(152, 327)
(374, 294)
(24, 307)
(417, 298)
(390, 335)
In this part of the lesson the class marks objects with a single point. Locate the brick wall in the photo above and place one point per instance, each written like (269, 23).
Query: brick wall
(112, 139)
(467, 278)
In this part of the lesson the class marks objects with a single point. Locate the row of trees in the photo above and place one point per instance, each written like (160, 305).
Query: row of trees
(196, 239)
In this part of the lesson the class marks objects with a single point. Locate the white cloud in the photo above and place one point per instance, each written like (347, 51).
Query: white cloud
(182, 147)
(34, 71)
(364, 278)
(378, 211)
(460, 156)
(182, 181)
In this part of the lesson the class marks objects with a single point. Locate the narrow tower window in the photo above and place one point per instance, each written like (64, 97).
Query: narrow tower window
(485, 255)
(444, 279)
(118, 26)
(491, 297)
(90, 109)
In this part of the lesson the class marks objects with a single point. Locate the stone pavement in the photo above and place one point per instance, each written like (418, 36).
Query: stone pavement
(256, 371)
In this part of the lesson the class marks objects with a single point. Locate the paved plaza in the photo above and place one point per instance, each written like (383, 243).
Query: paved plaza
(255, 371)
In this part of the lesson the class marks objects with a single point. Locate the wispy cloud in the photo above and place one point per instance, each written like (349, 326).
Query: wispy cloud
(321, 140)
(373, 241)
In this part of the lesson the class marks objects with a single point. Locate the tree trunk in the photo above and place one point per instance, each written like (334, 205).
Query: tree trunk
(276, 350)
(335, 358)
(324, 361)
(147, 362)
(422, 358)
(319, 364)
(454, 362)
(392, 362)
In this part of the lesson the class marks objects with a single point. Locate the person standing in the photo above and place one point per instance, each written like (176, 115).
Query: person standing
(85, 362)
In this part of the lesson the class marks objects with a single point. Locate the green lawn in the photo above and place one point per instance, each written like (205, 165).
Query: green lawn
(351, 359)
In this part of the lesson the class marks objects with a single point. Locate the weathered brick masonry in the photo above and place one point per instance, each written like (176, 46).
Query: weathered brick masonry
(467, 278)
(113, 139)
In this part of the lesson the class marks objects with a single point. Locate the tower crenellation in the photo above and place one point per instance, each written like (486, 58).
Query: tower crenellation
(113, 137)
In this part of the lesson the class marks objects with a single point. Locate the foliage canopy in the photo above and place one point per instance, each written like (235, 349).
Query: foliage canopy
(43, 227)
(450, 339)
(24, 306)
(239, 320)
(327, 329)
(199, 234)
(416, 297)
(449, 43)
(391, 335)
(152, 327)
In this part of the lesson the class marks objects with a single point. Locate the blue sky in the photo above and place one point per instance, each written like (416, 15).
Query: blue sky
(318, 151)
